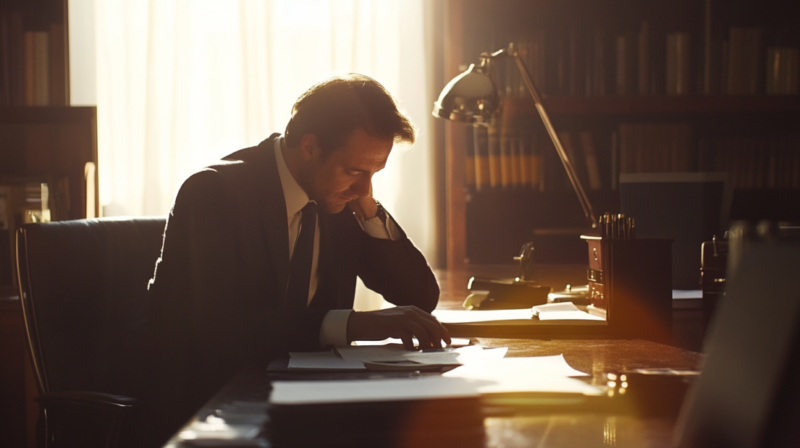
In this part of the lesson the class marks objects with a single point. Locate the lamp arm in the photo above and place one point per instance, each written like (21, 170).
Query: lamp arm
(573, 178)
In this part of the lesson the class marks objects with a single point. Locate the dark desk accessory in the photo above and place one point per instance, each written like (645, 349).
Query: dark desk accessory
(713, 264)
(630, 280)
(578, 295)
(510, 293)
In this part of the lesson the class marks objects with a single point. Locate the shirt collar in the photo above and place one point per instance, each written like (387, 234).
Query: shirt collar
(294, 195)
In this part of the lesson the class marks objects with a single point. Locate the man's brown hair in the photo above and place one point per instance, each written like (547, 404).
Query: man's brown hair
(334, 108)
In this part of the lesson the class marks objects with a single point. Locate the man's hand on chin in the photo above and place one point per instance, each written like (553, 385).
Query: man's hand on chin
(403, 322)
(364, 206)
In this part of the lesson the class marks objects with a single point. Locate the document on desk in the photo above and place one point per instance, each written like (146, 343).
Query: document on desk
(445, 356)
(322, 361)
(526, 316)
(373, 390)
(455, 342)
(563, 311)
(542, 374)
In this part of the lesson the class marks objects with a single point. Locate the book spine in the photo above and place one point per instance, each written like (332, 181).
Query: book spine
(469, 160)
(494, 153)
(590, 154)
(57, 66)
(621, 65)
(506, 155)
(30, 84)
(678, 64)
(481, 157)
(17, 62)
(41, 69)
(644, 59)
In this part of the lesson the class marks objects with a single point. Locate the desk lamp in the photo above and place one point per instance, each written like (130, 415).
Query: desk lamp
(471, 98)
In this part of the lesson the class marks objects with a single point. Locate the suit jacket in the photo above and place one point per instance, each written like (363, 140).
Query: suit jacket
(217, 299)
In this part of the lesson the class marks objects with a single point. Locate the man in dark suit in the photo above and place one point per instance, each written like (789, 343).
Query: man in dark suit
(262, 250)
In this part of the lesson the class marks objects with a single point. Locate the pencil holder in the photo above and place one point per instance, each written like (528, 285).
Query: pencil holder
(630, 283)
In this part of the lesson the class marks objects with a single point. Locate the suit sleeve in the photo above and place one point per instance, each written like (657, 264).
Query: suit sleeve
(395, 269)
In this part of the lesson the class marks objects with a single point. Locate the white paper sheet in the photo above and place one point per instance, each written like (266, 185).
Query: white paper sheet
(680, 294)
(461, 355)
(535, 374)
(455, 342)
(322, 361)
(568, 315)
(563, 311)
(550, 307)
(391, 352)
(323, 392)
(473, 316)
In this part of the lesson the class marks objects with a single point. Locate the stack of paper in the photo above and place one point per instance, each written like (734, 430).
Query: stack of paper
(425, 411)
(354, 357)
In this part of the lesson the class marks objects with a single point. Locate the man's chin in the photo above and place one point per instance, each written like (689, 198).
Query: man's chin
(333, 208)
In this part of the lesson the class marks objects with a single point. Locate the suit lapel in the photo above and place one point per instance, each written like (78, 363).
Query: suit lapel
(273, 210)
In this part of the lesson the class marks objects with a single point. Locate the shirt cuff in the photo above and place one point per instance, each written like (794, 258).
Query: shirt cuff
(334, 328)
(376, 228)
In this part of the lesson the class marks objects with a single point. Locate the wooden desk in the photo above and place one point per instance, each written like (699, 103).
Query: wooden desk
(537, 428)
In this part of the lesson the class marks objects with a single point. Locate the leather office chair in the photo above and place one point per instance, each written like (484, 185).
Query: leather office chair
(83, 286)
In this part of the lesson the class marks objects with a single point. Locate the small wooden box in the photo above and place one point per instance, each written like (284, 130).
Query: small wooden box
(632, 280)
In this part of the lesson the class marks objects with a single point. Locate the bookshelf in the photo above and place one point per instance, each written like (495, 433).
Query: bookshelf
(684, 85)
(48, 160)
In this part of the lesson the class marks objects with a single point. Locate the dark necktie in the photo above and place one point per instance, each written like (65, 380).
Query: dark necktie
(300, 275)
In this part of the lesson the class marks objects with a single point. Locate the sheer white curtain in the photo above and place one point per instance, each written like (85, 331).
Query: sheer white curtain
(181, 83)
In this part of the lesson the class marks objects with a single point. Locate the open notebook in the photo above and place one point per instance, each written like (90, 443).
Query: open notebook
(549, 314)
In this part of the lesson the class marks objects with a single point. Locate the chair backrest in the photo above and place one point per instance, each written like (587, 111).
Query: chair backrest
(83, 286)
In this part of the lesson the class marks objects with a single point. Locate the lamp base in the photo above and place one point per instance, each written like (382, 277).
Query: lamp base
(498, 294)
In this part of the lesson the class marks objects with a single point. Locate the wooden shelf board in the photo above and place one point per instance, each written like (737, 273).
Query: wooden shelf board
(660, 104)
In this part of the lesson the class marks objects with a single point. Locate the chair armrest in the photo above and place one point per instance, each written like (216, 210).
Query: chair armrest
(88, 398)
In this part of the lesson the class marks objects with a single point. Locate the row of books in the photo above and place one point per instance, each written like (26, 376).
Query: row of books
(754, 162)
(32, 64)
(596, 62)
(743, 65)
(501, 157)
(655, 147)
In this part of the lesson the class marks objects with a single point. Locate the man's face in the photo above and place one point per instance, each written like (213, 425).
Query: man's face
(346, 173)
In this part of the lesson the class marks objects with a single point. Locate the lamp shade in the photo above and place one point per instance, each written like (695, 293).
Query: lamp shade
(468, 98)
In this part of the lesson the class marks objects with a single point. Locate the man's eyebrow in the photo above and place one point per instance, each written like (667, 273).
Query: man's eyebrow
(360, 170)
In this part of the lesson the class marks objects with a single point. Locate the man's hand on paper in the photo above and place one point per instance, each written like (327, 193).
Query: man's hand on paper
(403, 322)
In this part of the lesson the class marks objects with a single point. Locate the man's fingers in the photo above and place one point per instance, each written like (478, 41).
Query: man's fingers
(408, 340)
(435, 328)
(445, 333)
(422, 335)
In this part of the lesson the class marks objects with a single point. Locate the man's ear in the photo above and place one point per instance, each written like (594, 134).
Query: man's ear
(308, 146)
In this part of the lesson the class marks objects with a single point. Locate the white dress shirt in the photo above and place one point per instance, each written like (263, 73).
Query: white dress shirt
(334, 324)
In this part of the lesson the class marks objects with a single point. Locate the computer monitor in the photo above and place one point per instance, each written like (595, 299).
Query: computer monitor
(688, 208)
